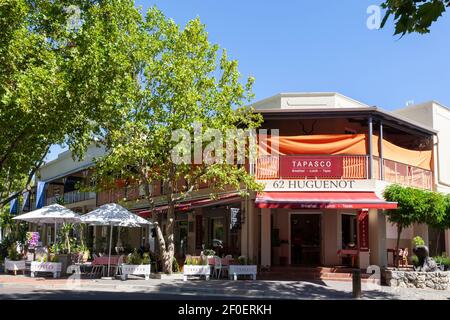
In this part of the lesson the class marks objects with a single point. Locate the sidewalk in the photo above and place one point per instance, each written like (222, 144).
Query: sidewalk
(232, 289)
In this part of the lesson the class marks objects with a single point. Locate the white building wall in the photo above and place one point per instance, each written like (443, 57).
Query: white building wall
(308, 100)
(65, 164)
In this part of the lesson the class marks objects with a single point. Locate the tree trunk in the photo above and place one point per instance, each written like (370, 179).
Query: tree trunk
(438, 238)
(397, 246)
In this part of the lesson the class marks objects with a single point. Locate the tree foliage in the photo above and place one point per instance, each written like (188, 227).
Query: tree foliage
(415, 206)
(60, 80)
(414, 15)
(182, 80)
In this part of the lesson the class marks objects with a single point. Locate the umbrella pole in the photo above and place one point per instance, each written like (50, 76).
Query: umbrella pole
(54, 240)
(110, 243)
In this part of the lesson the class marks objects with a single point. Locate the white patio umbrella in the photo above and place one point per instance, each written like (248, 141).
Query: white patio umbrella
(112, 215)
(53, 213)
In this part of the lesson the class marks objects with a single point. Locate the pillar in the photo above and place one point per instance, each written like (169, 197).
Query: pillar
(265, 238)
(244, 227)
(332, 237)
(251, 221)
(377, 238)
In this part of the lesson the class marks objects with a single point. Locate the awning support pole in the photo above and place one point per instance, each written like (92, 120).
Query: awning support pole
(370, 148)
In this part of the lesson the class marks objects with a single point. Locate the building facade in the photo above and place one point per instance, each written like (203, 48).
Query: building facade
(323, 181)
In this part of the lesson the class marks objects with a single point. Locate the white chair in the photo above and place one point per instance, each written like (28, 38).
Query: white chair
(118, 267)
(217, 267)
(96, 268)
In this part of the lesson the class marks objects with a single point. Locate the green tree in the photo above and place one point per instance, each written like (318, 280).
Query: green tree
(414, 15)
(182, 81)
(412, 207)
(60, 80)
(439, 219)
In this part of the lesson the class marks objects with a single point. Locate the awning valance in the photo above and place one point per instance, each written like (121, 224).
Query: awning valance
(192, 204)
(322, 200)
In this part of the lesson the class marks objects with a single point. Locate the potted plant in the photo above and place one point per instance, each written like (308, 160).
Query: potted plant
(196, 266)
(136, 265)
(243, 266)
(14, 261)
(47, 263)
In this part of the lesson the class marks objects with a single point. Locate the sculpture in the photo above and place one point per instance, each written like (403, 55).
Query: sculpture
(426, 263)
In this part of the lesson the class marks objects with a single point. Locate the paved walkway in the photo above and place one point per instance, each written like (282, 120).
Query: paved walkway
(216, 288)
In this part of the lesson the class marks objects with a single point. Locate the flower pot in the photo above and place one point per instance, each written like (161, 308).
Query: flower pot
(240, 270)
(135, 269)
(195, 270)
(53, 267)
(14, 265)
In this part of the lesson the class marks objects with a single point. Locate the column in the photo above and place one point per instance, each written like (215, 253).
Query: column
(377, 238)
(251, 221)
(370, 124)
(332, 238)
(244, 227)
(265, 237)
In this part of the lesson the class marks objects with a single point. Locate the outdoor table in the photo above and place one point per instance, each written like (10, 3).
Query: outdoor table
(353, 253)
(104, 260)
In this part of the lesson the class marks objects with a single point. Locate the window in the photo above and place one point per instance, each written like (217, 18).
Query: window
(217, 232)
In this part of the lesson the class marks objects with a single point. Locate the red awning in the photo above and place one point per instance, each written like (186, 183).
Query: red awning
(322, 200)
(189, 205)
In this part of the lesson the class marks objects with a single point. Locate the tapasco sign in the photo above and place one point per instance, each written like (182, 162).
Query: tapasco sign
(318, 166)
(318, 185)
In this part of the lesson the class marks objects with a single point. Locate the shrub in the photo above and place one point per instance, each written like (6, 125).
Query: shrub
(134, 258)
(418, 241)
(209, 252)
(146, 258)
(12, 253)
(175, 266)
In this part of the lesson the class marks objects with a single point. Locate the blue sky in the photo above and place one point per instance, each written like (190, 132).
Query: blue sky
(322, 45)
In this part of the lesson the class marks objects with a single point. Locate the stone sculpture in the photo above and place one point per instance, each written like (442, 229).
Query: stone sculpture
(426, 263)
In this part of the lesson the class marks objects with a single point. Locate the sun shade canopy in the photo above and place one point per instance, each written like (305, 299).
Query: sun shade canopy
(322, 200)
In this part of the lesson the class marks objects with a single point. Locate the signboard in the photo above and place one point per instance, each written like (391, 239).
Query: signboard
(363, 224)
(318, 185)
(235, 221)
(317, 166)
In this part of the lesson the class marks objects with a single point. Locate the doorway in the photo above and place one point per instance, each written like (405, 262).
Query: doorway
(305, 239)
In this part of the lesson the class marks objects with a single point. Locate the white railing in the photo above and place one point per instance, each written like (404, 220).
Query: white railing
(72, 197)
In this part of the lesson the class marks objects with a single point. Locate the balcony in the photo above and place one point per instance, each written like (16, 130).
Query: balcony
(349, 167)
(72, 197)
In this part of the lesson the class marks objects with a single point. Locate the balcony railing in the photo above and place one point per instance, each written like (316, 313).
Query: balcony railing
(72, 197)
(353, 167)
(356, 167)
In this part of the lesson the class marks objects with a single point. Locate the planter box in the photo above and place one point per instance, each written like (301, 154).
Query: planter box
(53, 267)
(14, 265)
(242, 270)
(135, 269)
(198, 271)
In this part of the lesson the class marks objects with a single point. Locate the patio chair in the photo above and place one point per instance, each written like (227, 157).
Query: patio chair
(217, 267)
(117, 269)
(96, 268)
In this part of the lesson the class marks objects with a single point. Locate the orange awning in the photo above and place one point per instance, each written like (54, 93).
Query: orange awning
(322, 200)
